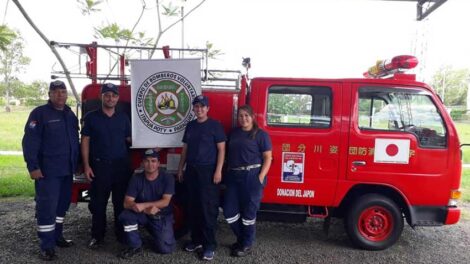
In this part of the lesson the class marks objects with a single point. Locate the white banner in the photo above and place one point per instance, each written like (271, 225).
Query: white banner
(392, 151)
(161, 100)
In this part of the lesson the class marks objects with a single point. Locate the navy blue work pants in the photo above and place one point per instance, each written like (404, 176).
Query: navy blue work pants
(110, 177)
(53, 195)
(203, 204)
(241, 202)
(160, 227)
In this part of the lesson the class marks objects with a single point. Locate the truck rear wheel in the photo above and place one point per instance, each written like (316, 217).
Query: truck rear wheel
(374, 222)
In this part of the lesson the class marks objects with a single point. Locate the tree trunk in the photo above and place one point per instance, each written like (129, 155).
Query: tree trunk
(7, 100)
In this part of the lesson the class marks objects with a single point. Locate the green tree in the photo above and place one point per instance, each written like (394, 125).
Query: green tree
(290, 104)
(6, 37)
(35, 94)
(39, 89)
(12, 62)
(36, 90)
(169, 14)
(173, 14)
(89, 6)
(452, 85)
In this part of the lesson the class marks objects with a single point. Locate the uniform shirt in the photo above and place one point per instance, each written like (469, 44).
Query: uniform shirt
(244, 151)
(144, 190)
(107, 134)
(50, 141)
(202, 139)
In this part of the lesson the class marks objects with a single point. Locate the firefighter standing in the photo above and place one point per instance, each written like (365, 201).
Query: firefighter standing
(105, 137)
(203, 152)
(147, 203)
(51, 150)
(249, 159)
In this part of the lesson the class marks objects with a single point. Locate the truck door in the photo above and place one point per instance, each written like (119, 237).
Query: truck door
(398, 138)
(303, 120)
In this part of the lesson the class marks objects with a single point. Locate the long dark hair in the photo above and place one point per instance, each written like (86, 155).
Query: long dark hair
(255, 127)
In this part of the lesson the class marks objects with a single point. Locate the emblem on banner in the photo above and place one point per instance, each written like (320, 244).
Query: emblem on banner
(163, 102)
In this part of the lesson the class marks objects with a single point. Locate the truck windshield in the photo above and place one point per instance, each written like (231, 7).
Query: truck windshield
(402, 110)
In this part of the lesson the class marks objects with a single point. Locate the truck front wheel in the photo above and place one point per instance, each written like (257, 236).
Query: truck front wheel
(374, 222)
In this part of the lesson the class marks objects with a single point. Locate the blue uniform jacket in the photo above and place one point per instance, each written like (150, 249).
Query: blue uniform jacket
(50, 142)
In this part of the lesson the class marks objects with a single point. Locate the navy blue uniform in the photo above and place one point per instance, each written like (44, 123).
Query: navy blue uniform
(244, 189)
(201, 160)
(110, 162)
(50, 144)
(159, 226)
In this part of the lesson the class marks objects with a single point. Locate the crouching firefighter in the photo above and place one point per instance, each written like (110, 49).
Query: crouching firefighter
(147, 203)
(51, 150)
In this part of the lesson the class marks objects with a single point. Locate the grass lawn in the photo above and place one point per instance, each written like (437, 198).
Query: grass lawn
(464, 136)
(465, 185)
(14, 178)
(12, 128)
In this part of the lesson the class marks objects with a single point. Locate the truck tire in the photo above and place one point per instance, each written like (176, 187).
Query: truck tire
(374, 222)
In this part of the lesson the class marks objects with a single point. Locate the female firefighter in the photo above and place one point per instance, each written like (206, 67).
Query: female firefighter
(249, 159)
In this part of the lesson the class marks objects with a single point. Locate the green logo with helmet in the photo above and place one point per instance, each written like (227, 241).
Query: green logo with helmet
(163, 102)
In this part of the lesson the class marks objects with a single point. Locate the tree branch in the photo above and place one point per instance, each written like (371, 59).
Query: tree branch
(53, 49)
(161, 32)
(127, 42)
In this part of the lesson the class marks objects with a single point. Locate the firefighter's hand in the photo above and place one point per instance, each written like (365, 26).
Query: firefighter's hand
(217, 177)
(152, 210)
(36, 174)
(179, 176)
(138, 207)
(88, 173)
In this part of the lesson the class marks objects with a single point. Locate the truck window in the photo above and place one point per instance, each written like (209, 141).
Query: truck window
(299, 106)
(402, 110)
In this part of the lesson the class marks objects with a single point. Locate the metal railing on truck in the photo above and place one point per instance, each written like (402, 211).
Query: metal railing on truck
(117, 56)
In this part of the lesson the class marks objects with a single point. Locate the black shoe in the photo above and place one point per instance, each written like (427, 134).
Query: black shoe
(47, 255)
(129, 253)
(234, 247)
(241, 252)
(64, 243)
(191, 247)
(95, 243)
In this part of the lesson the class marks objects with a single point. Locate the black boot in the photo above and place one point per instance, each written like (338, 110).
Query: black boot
(48, 254)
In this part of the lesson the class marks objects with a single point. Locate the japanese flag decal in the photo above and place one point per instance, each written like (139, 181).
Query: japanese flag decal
(392, 151)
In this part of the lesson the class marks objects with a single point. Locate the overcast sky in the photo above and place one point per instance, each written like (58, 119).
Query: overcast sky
(297, 38)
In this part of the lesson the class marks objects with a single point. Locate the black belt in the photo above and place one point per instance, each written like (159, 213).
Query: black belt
(247, 168)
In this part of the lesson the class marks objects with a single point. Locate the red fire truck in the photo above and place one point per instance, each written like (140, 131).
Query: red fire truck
(374, 151)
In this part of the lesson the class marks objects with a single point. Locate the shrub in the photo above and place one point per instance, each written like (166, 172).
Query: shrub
(458, 114)
(34, 102)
